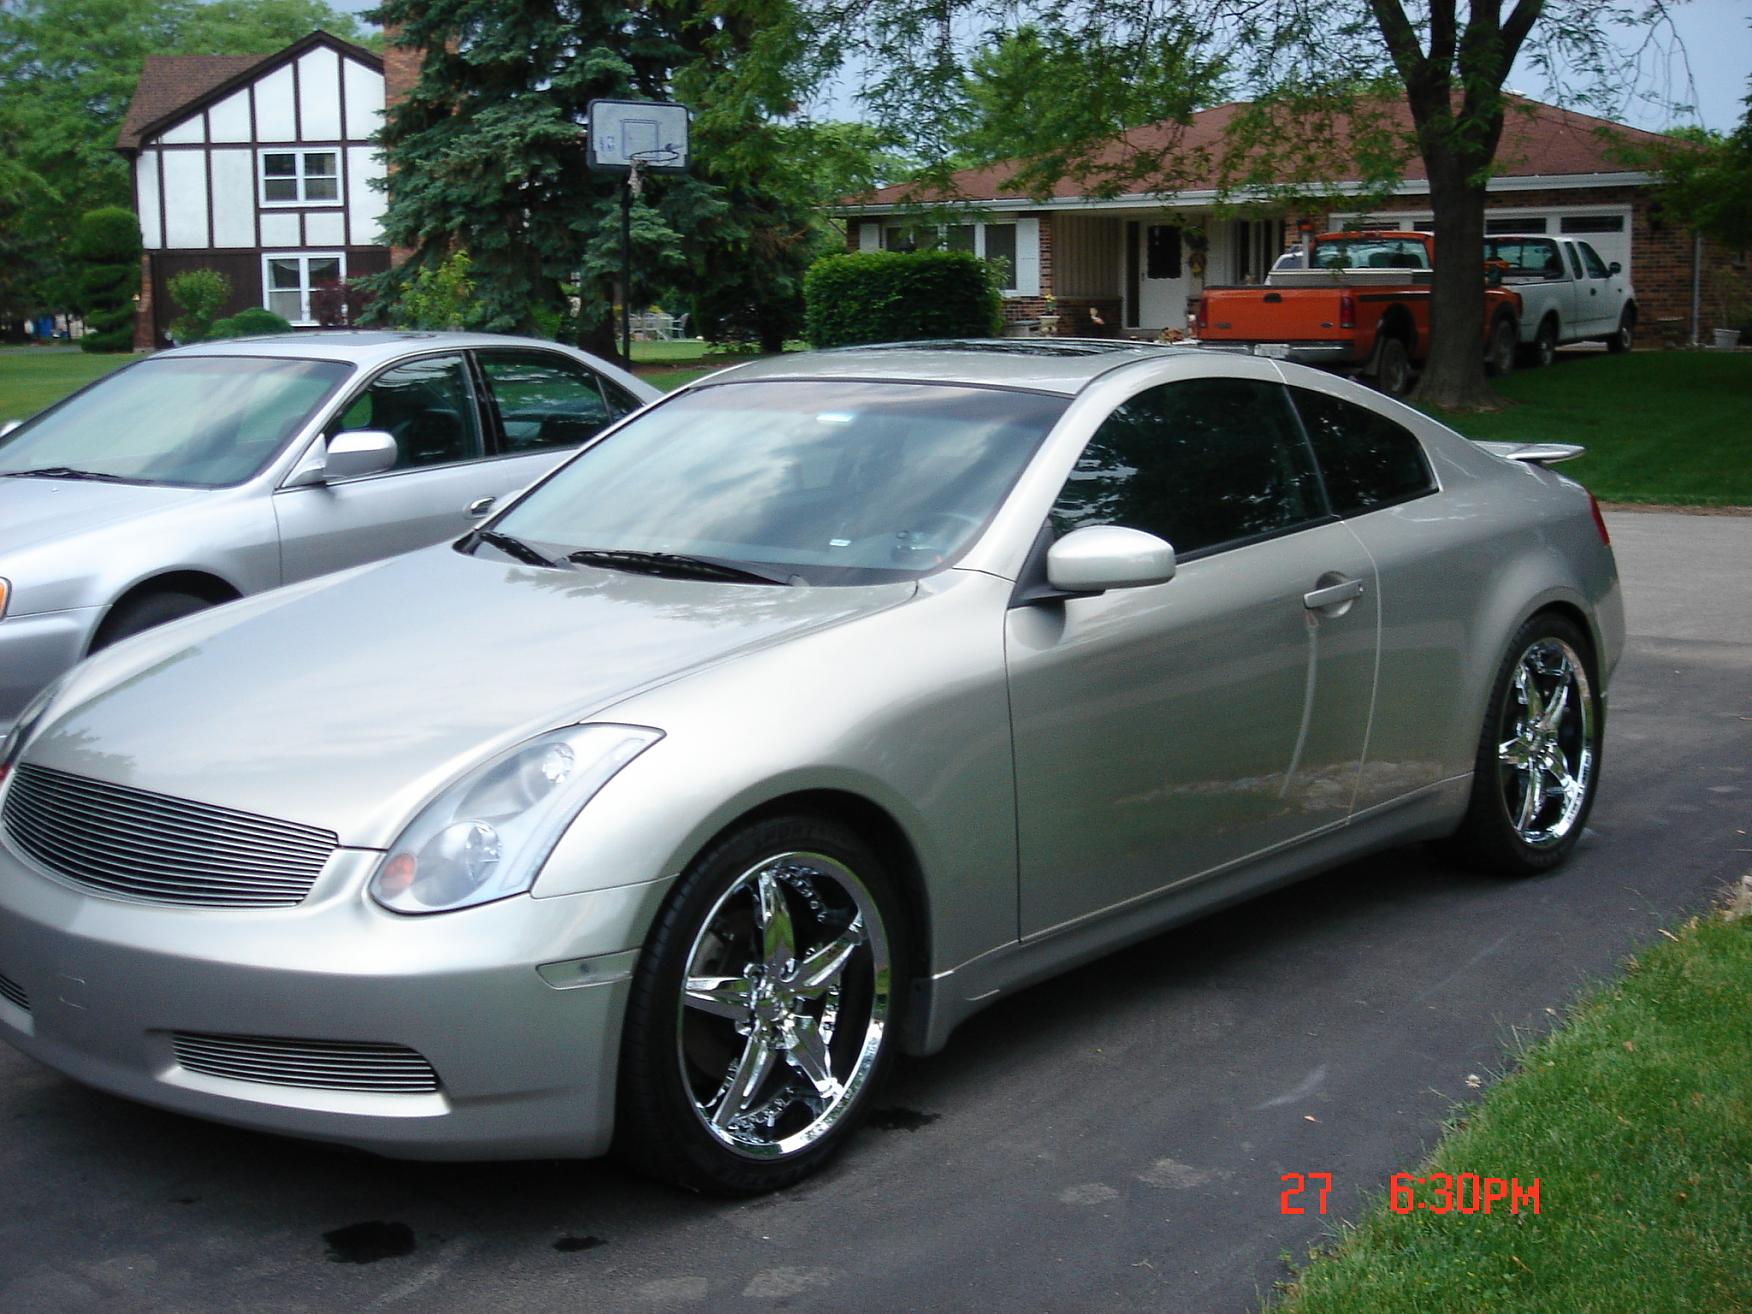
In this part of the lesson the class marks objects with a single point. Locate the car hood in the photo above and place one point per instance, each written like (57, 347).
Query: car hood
(34, 511)
(347, 704)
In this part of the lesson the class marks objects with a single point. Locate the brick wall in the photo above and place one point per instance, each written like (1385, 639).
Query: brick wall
(401, 69)
(143, 317)
(1661, 255)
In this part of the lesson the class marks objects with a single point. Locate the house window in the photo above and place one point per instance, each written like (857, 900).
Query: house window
(287, 281)
(301, 178)
(989, 241)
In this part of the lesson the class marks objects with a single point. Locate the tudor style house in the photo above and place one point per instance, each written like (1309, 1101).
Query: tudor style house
(1135, 264)
(258, 166)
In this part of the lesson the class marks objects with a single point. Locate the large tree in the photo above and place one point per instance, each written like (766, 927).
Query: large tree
(1319, 70)
(67, 73)
(487, 154)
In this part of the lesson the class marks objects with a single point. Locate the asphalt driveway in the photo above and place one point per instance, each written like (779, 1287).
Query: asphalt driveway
(1113, 1139)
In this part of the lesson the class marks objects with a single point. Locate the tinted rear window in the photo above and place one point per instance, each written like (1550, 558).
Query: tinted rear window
(1368, 460)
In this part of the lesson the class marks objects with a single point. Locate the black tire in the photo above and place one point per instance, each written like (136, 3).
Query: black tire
(1393, 367)
(137, 615)
(1544, 348)
(1499, 354)
(1625, 337)
(680, 1061)
(1505, 831)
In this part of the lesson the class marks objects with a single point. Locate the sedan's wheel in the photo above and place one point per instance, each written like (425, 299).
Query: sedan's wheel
(1393, 368)
(145, 613)
(1539, 756)
(1621, 340)
(764, 1011)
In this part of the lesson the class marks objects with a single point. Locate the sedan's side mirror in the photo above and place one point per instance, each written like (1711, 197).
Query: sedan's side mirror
(9, 426)
(356, 453)
(1103, 557)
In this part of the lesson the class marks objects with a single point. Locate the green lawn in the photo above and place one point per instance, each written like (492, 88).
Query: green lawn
(1660, 426)
(34, 377)
(1636, 1117)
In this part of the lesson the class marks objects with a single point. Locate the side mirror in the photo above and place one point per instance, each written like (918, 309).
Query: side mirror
(9, 426)
(1614, 268)
(357, 453)
(1105, 557)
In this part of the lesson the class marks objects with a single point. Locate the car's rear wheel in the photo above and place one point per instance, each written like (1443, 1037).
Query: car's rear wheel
(1538, 762)
(1499, 357)
(765, 1009)
(137, 615)
(1621, 340)
(1393, 368)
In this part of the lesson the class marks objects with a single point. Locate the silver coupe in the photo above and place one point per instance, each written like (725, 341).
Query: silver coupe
(200, 475)
(792, 721)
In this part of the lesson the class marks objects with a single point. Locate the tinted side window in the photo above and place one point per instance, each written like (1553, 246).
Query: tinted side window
(426, 405)
(543, 400)
(1368, 460)
(1200, 463)
(620, 401)
(1591, 258)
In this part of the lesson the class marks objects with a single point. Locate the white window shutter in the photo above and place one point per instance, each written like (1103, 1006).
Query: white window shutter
(1028, 257)
(869, 237)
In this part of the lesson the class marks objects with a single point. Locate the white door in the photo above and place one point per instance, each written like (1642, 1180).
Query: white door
(1166, 280)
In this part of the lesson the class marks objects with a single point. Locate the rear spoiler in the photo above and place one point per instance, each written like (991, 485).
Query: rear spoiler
(1535, 453)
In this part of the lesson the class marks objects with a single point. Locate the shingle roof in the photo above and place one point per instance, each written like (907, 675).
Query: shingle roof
(169, 83)
(1538, 140)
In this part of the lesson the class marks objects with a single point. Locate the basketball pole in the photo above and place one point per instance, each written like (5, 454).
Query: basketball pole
(627, 193)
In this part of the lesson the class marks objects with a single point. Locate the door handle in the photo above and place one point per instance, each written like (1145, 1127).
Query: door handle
(480, 506)
(1346, 590)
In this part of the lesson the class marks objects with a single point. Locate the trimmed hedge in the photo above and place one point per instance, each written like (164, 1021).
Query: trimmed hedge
(251, 322)
(900, 296)
(106, 245)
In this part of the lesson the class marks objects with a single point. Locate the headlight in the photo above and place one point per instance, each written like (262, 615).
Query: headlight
(487, 835)
(5, 597)
(13, 745)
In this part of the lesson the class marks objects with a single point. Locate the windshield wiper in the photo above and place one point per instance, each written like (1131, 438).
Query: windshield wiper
(514, 547)
(677, 565)
(66, 472)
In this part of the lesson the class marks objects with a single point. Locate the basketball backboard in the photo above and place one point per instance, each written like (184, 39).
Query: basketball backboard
(652, 131)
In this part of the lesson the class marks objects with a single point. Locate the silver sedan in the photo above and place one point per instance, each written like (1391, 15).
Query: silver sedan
(211, 472)
(790, 723)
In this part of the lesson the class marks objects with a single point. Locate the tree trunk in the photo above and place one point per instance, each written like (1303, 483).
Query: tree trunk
(1453, 374)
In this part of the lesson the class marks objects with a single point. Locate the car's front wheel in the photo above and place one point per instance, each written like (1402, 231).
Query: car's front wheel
(1538, 763)
(765, 1009)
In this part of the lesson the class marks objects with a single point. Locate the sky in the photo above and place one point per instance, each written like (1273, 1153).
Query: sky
(1716, 36)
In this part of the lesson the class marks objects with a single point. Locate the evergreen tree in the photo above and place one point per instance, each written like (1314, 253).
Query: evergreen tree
(107, 246)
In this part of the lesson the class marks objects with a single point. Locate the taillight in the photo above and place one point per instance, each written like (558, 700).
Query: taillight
(1347, 309)
(1204, 315)
(1599, 520)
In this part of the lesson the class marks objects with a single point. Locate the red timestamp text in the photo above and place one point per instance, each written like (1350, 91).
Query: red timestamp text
(1461, 1193)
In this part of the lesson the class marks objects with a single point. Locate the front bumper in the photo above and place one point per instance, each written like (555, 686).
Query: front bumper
(525, 1058)
(36, 649)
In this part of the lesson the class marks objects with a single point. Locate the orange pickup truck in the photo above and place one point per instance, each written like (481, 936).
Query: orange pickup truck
(1363, 307)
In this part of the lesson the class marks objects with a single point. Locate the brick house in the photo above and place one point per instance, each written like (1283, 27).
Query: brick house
(258, 166)
(1137, 263)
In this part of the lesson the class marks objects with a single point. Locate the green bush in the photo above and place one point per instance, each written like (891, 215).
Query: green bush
(900, 296)
(201, 294)
(250, 323)
(107, 246)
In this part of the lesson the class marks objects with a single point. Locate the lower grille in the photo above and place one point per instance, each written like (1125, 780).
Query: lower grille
(13, 993)
(312, 1064)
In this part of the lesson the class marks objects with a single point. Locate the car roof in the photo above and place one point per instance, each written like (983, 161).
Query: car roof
(1057, 365)
(356, 346)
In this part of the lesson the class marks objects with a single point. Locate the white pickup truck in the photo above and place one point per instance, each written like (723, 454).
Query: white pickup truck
(1568, 294)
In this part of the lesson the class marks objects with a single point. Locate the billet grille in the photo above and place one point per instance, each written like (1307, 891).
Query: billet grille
(141, 845)
(13, 993)
(312, 1064)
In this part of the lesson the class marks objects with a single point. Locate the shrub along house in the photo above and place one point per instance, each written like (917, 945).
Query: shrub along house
(1136, 263)
(260, 167)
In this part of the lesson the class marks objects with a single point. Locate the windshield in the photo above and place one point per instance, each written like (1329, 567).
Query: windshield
(205, 421)
(830, 482)
(1370, 253)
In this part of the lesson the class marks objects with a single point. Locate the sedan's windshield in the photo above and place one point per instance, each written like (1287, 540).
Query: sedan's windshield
(205, 421)
(829, 482)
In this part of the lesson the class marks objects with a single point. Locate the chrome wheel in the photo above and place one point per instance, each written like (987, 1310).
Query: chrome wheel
(1546, 749)
(786, 994)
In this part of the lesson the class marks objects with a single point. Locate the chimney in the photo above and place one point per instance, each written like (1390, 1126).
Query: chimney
(401, 69)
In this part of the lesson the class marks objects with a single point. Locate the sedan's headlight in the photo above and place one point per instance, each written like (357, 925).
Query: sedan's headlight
(12, 746)
(487, 835)
(5, 597)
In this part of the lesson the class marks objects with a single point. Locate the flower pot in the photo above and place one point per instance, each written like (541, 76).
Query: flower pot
(1727, 339)
(1048, 325)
